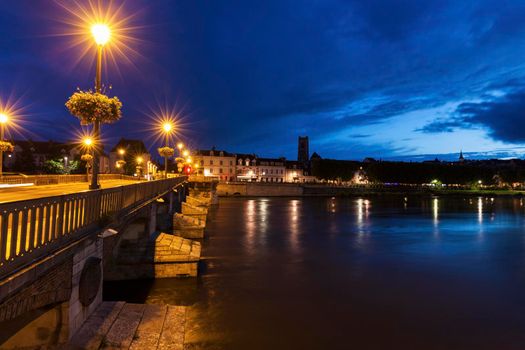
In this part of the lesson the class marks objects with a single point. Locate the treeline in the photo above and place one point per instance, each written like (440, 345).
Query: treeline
(488, 171)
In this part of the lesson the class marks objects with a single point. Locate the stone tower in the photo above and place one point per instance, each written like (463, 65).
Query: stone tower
(303, 152)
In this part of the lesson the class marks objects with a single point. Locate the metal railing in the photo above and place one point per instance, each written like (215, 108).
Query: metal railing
(59, 179)
(32, 229)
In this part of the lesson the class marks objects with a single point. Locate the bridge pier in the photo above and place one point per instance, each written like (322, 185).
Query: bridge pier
(48, 302)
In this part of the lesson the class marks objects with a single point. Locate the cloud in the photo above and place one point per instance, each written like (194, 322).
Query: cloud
(504, 117)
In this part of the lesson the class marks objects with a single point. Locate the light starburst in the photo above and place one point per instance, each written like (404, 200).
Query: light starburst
(90, 23)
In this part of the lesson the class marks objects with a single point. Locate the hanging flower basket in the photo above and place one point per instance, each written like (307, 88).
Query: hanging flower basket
(121, 163)
(180, 160)
(90, 106)
(6, 146)
(166, 152)
(88, 158)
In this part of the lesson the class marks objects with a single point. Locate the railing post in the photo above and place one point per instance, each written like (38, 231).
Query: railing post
(60, 220)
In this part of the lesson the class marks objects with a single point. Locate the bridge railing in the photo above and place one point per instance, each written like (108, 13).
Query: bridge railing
(58, 179)
(32, 229)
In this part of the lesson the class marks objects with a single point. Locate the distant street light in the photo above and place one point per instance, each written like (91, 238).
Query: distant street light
(167, 127)
(101, 34)
(180, 145)
(3, 121)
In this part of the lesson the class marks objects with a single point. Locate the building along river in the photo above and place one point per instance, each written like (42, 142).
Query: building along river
(383, 272)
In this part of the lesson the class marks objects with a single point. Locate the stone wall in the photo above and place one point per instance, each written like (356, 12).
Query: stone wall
(34, 292)
(86, 281)
(259, 189)
(46, 303)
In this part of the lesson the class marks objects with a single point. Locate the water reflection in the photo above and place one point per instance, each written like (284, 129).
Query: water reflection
(480, 210)
(435, 215)
(363, 207)
(383, 272)
(250, 224)
(295, 208)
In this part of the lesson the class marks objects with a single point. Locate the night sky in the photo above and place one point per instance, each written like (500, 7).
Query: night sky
(386, 79)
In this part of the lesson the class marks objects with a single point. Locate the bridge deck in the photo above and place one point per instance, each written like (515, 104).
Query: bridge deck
(118, 325)
(13, 194)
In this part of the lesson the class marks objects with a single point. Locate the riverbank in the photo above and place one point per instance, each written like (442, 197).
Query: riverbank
(261, 189)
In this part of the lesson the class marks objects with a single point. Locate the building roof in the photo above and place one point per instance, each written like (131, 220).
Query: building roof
(246, 156)
(44, 147)
(282, 161)
(216, 153)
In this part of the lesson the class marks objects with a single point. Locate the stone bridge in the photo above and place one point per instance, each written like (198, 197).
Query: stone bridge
(56, 251)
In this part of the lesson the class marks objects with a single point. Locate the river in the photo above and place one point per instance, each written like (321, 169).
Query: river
(383, 272)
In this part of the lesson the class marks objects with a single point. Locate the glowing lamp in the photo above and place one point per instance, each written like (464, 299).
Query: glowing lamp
(101, 33)
(3, 118)
(121, 151)
(88, 141)
(167, 127)
(180, 145)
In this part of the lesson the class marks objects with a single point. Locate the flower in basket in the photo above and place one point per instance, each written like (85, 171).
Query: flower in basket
(91, 106)
(6, 146)
(166, 152)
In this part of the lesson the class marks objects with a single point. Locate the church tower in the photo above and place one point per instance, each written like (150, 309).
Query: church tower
(461, 158)
(303, 152)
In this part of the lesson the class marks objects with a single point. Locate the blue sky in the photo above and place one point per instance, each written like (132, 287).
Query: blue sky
(386, 79)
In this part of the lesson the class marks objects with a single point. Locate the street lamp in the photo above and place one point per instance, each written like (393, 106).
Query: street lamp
(3, 120)
(139, 161)
(179, 146)
(88, 142)
(167, 127)
(101, 34)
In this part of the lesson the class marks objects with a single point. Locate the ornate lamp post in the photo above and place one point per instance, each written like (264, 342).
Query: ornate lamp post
(121, 162)
(166, 151)
(88, 157)
(101, 34)
(4, 146)
(139, 161)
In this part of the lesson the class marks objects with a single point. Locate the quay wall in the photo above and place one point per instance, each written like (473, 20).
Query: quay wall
(256, 189)
(264, 189)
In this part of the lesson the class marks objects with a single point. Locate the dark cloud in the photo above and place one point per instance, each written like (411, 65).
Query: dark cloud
(504, 117)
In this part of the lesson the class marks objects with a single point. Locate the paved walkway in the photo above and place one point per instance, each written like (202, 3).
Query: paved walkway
(13, 194)
(119, 325)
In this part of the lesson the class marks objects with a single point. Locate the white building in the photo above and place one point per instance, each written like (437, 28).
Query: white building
(255, 169)
(271, 170)
(214, 163)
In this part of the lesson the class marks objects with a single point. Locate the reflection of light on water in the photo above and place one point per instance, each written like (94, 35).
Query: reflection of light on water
(263, 213)
(363, 207)
(332, 205)
(435, 215)
(294, 223)
(435, 210)
(480, 210)
(249, 221)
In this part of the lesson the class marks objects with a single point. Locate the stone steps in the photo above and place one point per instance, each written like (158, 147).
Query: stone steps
(119, 325)
(188, 226)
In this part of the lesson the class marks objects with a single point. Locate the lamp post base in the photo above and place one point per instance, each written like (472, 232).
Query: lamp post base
(94, 187)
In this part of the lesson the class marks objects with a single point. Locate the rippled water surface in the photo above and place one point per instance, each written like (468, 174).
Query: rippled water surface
(354, 273)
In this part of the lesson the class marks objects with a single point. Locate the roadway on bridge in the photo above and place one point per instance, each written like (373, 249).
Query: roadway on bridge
(13, 194)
